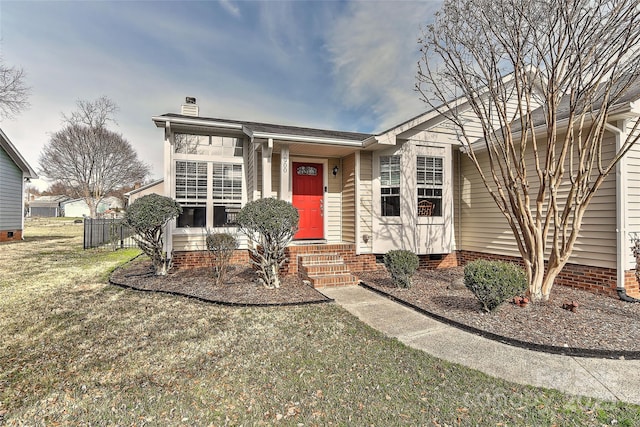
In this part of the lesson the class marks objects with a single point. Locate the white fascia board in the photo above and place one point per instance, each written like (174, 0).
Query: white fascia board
(161, 121)
(310, 139)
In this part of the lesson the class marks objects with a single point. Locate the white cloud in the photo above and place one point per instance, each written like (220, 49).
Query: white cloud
(374, 52)
(230, 7)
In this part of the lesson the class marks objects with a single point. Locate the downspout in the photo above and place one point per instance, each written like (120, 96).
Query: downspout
(621, 217)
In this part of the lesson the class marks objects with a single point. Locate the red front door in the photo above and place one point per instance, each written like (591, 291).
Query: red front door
(308, 198)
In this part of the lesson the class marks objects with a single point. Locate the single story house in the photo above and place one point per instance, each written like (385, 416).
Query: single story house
(47, 206)
(14, 172)
(80, 208)
(361, 195)
(155, 187)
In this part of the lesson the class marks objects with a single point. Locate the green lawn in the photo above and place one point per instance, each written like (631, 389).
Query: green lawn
(76, 350)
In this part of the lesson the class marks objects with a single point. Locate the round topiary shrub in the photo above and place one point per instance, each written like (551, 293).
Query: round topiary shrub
(493, 282)
(270, 224)
(402, 265)
(147, 217)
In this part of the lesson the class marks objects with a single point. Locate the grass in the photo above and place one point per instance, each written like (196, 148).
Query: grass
(78, 351)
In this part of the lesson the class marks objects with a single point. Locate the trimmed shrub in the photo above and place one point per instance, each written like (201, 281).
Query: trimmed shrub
(221, 247)
(270, 224)
(493, 282)
(402, 265)
(147, 218)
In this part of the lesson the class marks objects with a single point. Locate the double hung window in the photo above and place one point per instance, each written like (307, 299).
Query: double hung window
(191, 193)
(390, 185)
(430, 182)
(227, 193)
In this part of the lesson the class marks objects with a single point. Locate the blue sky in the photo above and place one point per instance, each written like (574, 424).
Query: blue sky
(330, 64)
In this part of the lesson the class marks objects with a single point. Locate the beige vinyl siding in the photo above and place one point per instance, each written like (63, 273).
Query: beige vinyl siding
(11, 207)
(366, 202)
(194, 241)
(349, 198)
(484, 229)
(633, 188)
(189, 242)
(632, 180)
(333, 200)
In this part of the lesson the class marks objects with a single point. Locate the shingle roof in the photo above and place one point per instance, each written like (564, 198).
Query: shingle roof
(284, 129)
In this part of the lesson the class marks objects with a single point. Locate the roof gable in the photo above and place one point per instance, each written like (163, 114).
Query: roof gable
(17, 158)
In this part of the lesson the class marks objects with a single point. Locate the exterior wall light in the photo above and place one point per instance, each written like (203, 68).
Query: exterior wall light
(335, 170)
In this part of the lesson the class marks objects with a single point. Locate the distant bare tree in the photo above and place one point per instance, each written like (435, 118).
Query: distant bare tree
(543, 79)
(88, 158)
(94, 114)
(14, 94)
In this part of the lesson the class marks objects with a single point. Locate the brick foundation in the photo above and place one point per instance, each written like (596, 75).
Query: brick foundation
(196, 259)
(356, 263)
(431, 262)
(598, 280)
(10, 235)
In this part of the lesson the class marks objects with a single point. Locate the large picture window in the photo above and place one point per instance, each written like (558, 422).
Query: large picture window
(196, 194)
(390, 185)
(430, 182)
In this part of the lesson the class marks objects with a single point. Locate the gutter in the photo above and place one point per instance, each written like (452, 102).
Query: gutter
(159, 120)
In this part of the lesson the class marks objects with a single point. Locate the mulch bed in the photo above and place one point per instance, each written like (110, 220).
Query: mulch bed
(241, 288)
(607, 325)
(601, 326)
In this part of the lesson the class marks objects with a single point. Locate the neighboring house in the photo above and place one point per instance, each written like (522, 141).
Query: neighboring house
(14, 171)
(47, 206)
(155, 187)
(80, 208)
(361, 195)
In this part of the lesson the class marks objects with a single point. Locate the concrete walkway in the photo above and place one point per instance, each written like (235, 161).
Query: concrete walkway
(601, 378)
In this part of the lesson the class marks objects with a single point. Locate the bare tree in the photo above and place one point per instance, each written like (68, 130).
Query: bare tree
(95, 114)
(14, 93)
(91, 160)
(543, 79)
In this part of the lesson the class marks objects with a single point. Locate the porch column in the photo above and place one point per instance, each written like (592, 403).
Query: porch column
(285, 191)
(267, 150)
(169, 186)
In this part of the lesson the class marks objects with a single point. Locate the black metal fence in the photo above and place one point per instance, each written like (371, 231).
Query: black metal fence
(107, 232)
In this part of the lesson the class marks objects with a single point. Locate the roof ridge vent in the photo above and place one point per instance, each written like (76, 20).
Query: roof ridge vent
(190, 108)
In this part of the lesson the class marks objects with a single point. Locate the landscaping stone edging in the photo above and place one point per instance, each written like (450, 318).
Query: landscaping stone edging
(565, 351)
(224, 303)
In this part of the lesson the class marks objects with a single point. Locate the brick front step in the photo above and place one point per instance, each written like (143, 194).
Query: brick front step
(333, 280)
(322, 269)
(325, 269)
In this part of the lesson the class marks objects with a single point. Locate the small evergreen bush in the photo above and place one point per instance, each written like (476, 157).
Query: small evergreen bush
(221, 247)
(270, 224)
(493, 282)
(147, 217)
(402, 265)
